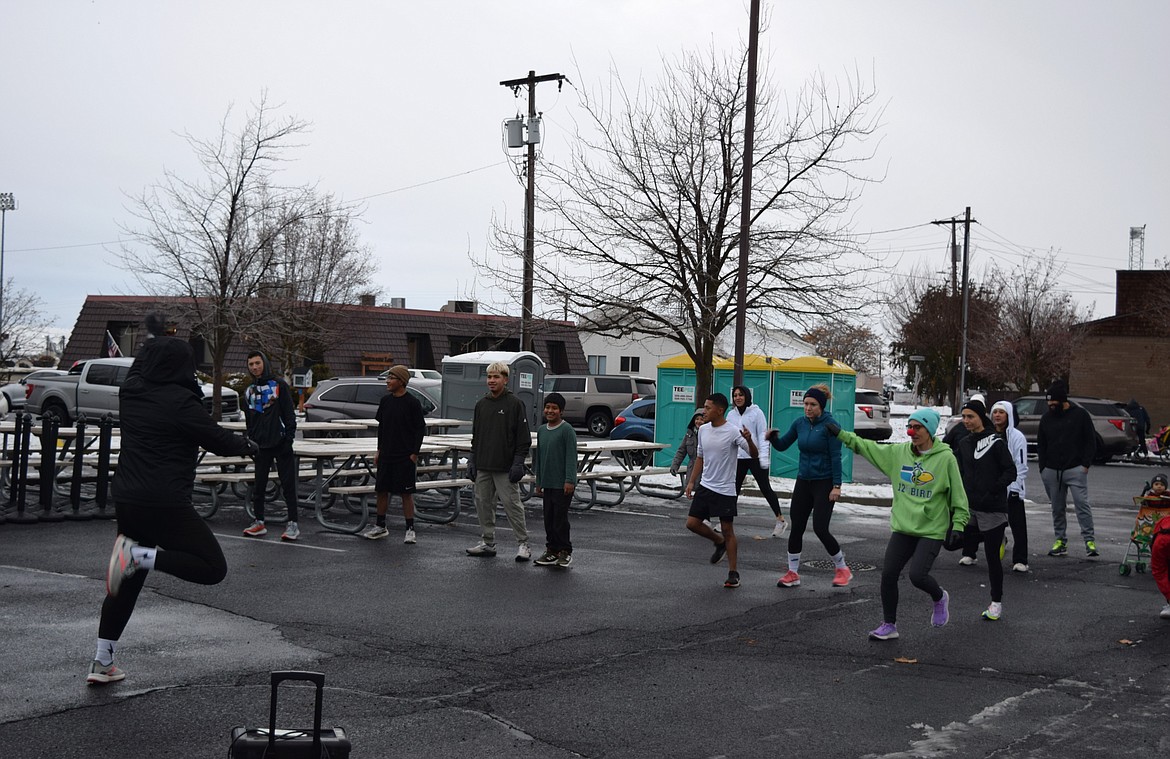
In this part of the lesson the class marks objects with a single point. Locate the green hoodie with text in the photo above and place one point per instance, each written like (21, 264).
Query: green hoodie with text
(928, 490)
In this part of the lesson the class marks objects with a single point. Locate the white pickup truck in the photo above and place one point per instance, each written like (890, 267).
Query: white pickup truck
(91, 388)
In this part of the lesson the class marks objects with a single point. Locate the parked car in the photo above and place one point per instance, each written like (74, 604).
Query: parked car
(17, 392)
(91, 388)
(635, 422)
(594, 400)
(871, 415)
(1116, 433)
(418, 374)
(358, 398)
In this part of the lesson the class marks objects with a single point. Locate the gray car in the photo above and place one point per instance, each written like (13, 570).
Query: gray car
(1116, 433)
(358, 398)
(15, 392)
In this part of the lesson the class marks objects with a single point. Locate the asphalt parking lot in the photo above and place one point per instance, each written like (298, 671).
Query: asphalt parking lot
(635, 651)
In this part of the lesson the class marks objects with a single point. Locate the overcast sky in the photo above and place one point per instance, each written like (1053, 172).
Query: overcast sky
(1048, 118)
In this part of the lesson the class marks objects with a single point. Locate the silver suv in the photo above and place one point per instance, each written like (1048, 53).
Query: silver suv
(594, 400)
(358, 398)
(871, 415)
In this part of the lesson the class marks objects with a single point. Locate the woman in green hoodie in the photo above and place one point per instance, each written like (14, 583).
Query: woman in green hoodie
(928, 500)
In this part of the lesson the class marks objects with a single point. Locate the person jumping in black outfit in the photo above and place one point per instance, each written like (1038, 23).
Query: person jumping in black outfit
(163, 426)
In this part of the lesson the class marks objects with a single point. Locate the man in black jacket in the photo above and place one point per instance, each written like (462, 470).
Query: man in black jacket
(272, 424)
(163, 425)
(1065, 446)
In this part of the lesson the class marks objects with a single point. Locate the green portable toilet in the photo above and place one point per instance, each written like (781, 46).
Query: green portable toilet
(675, 404)
(789, 382)
(757, 376)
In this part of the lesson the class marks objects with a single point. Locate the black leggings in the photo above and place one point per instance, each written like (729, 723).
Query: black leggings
(286, 470)
(190, 552)
(992, 540)
(742, 467)
(920, 553)
(811, 497)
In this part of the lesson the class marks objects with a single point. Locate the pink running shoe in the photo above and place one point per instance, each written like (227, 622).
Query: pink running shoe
(790, 580)
(842, 577)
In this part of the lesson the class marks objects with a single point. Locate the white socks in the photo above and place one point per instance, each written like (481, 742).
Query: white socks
(839, 560)
(144, 557)
(794, 562)
(105, 652)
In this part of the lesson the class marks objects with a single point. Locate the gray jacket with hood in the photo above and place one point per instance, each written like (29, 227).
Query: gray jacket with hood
(1017, 445)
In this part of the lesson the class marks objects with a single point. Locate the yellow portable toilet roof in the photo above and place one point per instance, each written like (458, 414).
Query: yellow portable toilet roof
(751, 362)
(683, 361)
(814, 364)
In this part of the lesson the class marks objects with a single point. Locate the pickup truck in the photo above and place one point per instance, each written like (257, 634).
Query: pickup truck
(91, 388)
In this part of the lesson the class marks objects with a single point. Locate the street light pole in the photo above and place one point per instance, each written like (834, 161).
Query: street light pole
(7, 203)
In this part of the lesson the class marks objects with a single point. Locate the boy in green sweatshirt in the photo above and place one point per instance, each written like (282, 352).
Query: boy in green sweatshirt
(555, 466)
(929, 506)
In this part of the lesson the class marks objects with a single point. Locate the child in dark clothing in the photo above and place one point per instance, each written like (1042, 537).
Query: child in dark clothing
(555, 466)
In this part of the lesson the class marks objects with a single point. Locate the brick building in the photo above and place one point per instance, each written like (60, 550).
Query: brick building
(1125, 356)
(374, 338)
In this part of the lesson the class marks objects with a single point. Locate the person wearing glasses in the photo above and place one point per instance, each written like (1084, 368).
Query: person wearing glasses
(929, 507)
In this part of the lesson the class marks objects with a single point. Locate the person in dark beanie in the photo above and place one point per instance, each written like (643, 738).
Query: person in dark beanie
(1065, 446)
(401, 429)
(554, 463)
(272, 423)
(987, 468)
(163, 425)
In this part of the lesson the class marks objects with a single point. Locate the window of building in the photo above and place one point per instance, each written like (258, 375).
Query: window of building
(631, 363)
(558, 357)
(596, 364)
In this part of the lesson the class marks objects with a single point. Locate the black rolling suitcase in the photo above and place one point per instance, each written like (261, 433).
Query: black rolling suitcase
(273, 743)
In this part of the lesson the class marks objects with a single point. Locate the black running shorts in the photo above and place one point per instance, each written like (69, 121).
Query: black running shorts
(395, 476)
(707, 504)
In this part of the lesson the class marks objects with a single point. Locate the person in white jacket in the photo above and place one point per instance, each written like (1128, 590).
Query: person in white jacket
(745, 414)
(1003, 416)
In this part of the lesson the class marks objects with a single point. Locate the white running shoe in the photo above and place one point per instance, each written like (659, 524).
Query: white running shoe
(374, 532)
(1019, 567)
(967, 561)
(409, 539)
(780, 528)
(523, 552)
(1165, 613)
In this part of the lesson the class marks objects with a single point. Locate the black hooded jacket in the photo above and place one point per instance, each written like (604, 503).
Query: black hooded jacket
(1066, 439)
(163, 426)
(269, 410)
(987, 468)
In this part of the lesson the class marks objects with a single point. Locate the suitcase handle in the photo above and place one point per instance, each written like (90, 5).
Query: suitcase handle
(316, 678)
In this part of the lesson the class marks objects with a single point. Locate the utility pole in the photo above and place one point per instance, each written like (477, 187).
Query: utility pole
(530, 194)
(954, 283)
(745, 221)
(966, 301)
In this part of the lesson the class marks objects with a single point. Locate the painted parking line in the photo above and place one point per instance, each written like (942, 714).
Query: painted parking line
(278, 543)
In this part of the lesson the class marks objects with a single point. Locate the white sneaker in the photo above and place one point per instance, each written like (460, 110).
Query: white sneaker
(1165, 614)
(291, 532)
(482, 549)
(523, 552)
(994, 611)
(375, 532)
(967, 561)
(409, 539)
(1019, 567)
(715, 525)
(780, 528)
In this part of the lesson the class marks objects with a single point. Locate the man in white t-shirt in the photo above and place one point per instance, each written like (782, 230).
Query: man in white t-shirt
(714, 470)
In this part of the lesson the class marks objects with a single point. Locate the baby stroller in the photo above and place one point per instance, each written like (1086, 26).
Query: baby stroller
(1159, 444)
(1137, 554)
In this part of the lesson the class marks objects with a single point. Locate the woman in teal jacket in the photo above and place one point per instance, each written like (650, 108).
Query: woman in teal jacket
(929, 500)
(818, 483)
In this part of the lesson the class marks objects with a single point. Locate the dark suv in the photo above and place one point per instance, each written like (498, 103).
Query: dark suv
(594, 400)
(1116, 434)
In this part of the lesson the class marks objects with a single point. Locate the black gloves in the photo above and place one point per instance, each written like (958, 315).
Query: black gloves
(253, 449)
(471, 466)
(516, 473)
(954, 539)
(833, 429)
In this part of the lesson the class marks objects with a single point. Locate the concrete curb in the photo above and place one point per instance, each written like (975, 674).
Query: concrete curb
(859, 500)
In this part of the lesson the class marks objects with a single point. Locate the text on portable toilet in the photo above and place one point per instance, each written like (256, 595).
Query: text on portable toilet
(682, 393)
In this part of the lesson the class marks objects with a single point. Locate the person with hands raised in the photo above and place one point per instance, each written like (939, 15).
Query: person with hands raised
(818, 483)
(929, 500)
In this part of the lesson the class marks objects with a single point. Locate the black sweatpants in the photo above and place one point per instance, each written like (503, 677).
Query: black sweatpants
(286, 470)
(992, 540)
(811, 497)
(1018, 524)
(920, 554)
(190, 552)
(742, 467)
(556, 520)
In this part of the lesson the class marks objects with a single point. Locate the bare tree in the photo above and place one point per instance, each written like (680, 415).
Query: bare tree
(214, 239)
(24, 324)
(639, 228)
(853, 344)
(320, 264)
(1038, 328)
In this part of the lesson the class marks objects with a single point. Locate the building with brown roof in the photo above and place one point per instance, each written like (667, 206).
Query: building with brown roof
(1125, 356)
(374, 337)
